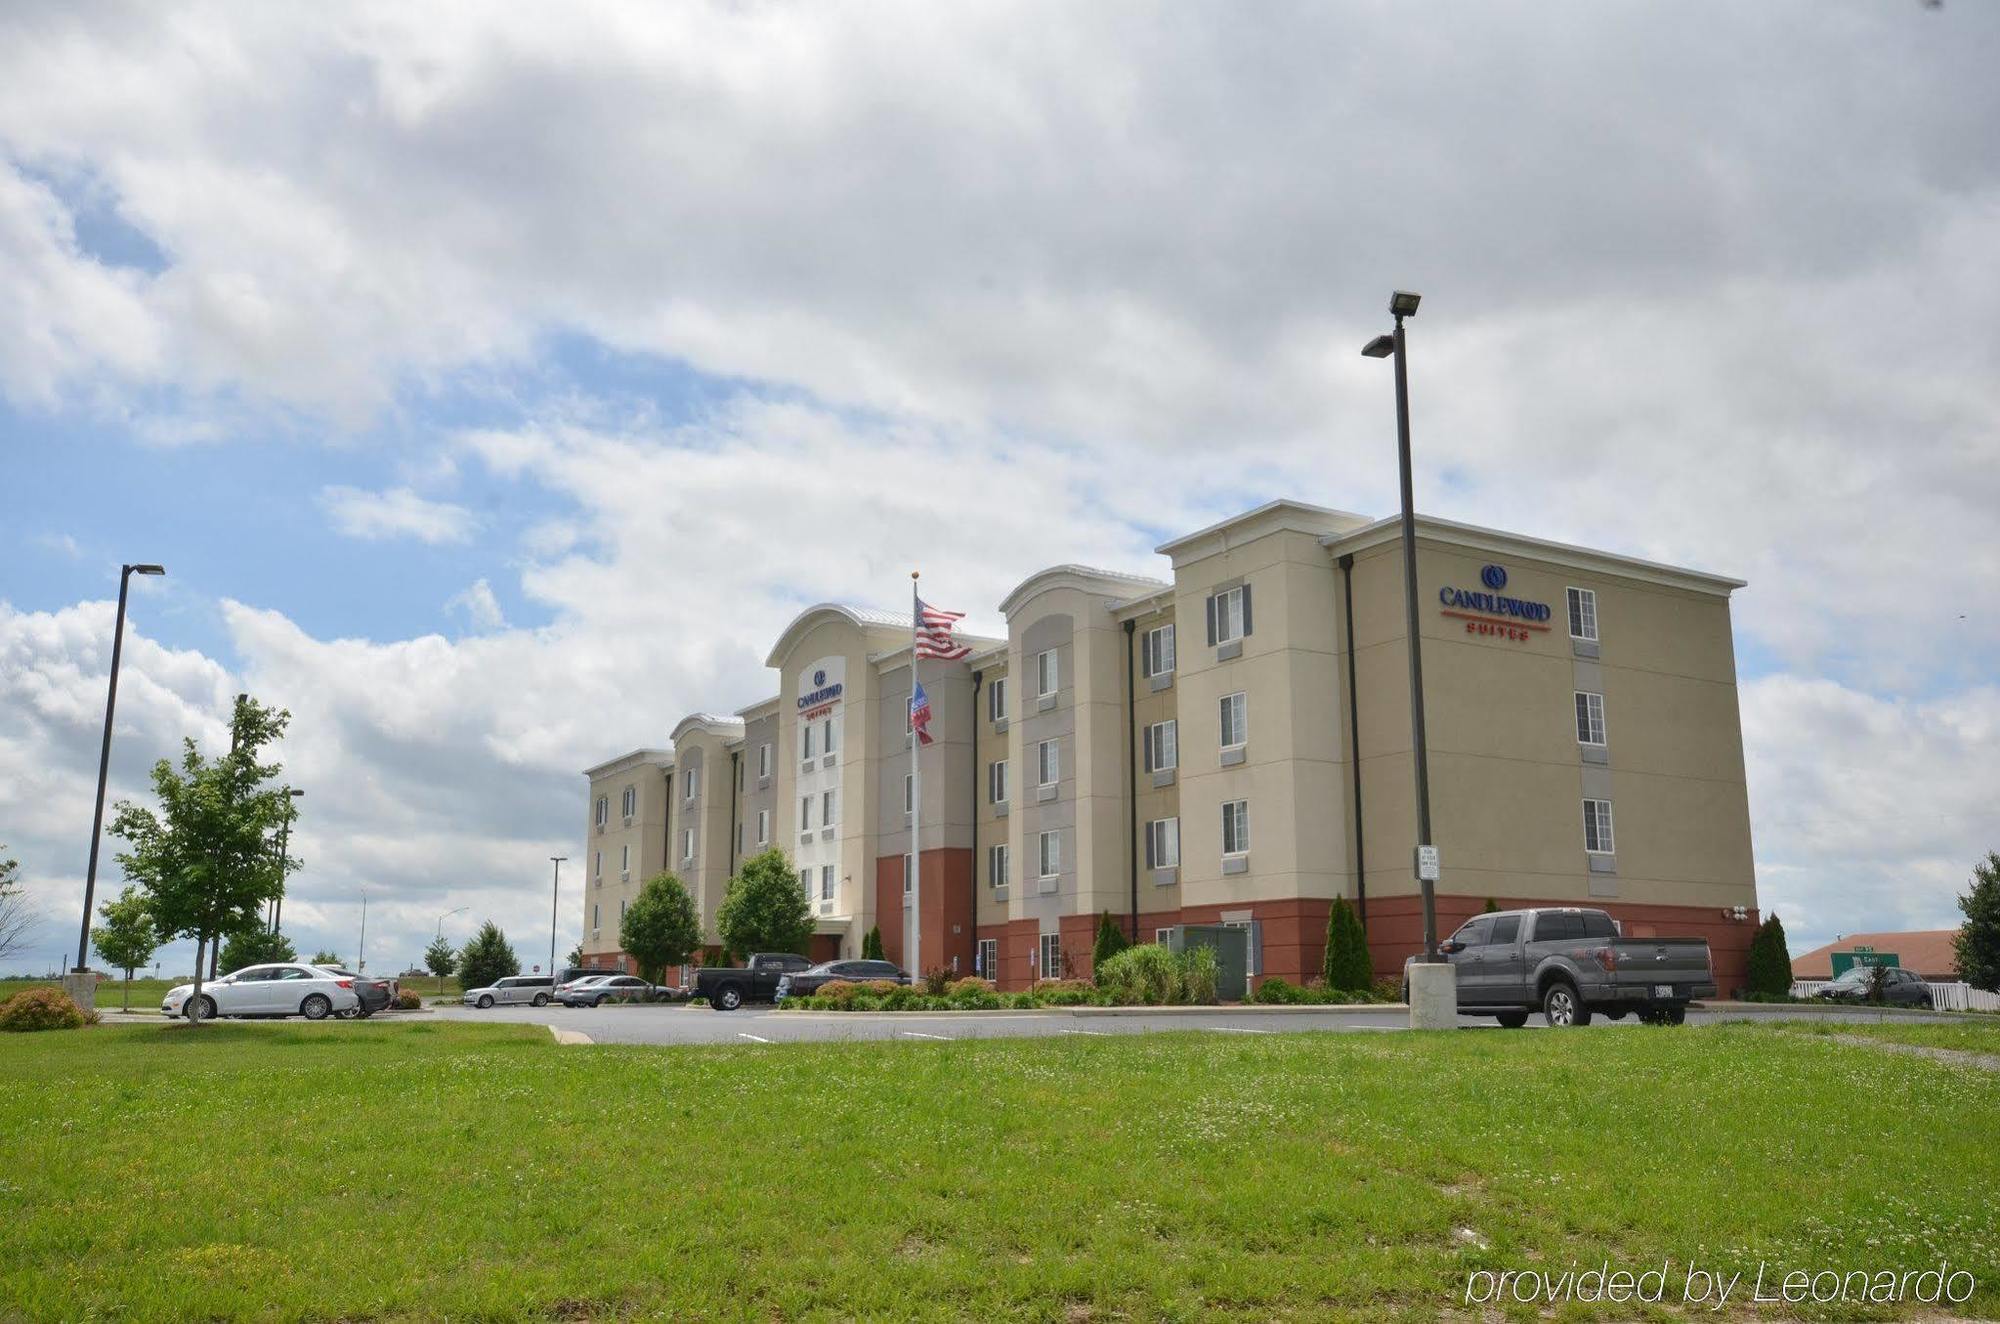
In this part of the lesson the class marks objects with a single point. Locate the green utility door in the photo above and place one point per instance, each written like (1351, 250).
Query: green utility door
(1232, 955)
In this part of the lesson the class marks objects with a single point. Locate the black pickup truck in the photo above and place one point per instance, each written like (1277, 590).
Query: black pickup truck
(729, 987)
(1569, 962)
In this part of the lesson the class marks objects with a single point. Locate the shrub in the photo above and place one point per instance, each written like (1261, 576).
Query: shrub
(1146, 975)
(970, 984)
(1770, 965)
(936, 980)
(43, 1009)
(864, 1002)
(1280, 992)
(407, 1000)
(1019, 1001)
(1111, 940)
(871, 946)
(1198, 971)
(1063, 992)
(1347, 965)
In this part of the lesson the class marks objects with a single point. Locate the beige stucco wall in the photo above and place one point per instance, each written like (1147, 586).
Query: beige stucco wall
(645, 836)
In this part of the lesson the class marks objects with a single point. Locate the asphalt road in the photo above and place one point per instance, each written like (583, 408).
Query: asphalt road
(762, 1025)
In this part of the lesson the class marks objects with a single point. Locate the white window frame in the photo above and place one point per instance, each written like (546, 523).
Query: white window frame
(909, 871)
(1048, 673)
(1163, 843)
(997, 865)
(763, 827)
(996, 699)
(625, 860)
(1048, 762)
(829, 808)
(1589, 718)
(1581, 604)
(1157, 643)
(764, 760)
(1162, 937)
(806, 881)
(691, 782)
(1048, 850)
(1162, 735)
(603, 810)
(596, 918)
(1229, 615)
(996, 782)
(1241, 700)
(909, 793)
(806, 754)
(1048, 952)
(597, 866)
(826, 882)
(687, 843)
(629, 802)
(805, 813)
(1597, 823)
(987, 958)
(1235, 828)
(827, 743)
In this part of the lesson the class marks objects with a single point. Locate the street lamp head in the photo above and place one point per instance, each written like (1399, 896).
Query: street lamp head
(147, 569)
(295, 792)
(1404, 304)
(1381, 347)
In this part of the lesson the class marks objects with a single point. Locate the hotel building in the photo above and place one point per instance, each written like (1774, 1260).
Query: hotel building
(1227, 744)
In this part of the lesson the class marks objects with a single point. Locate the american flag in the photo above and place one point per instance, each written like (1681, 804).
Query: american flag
(920, 714)
(933, 633)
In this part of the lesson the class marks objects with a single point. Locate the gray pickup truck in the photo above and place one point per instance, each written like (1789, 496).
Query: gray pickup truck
(1571, 963)
(755, 981)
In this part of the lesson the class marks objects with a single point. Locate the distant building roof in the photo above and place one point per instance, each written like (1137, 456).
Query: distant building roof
(1929, 952)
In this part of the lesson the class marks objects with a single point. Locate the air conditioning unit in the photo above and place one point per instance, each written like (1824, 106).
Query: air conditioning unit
(628, 820)
(624, 875)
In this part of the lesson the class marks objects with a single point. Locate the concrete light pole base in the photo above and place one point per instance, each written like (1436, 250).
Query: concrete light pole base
(81, 985)
(1433, 996)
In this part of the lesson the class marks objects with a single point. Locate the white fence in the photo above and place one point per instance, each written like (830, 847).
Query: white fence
(1945, 997)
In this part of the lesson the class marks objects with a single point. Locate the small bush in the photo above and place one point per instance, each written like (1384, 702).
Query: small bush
(1063, 992)
(936, 980)
(408, 1000)
(43, 1009)
(1198, 971)
(1279, 992)
(1019, 1001)
(1146, 975)
(970, 984)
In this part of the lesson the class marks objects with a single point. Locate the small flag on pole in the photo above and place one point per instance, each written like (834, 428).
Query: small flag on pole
(933, 633)
(920, 715)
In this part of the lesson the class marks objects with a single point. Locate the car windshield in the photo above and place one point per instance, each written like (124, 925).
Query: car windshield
(1855, 975)
(823, 968)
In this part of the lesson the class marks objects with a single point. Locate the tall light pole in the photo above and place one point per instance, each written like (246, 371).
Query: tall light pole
(361, 953)
(1403, 304)
(284, 841)
(555, 894)
(439, 935)
(125, 574)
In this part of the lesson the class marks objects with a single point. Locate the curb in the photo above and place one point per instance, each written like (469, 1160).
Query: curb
(569, 1036)
(1243, 1009)
(1730, 1007)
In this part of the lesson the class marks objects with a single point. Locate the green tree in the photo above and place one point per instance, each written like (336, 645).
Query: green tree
(1770, 961)
(1111, 940)
(1346, 965)
(1978, 943)
(487, 959)
(575, 956)
(871, 946)
(325, 957)
(440, 959)
(257, 947)
(660, 927)
(1492, 907)
(126, 939)
(205, 859)
(17, 920)
(764, 909)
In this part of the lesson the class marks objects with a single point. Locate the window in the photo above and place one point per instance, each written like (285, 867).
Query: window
(1229, 614)
(1589, 717)
(1163, 936)
(826, 882)
(1048, 762)
(739, 772)
(597, 865)
(1475, 932)
(806, 882)
(909, 873)
(996, 781)
(763, 826)
(594, 916)
(1235, 720)
(687, 843)
(621, 910)
(805, 813)
(739, 838)
(1506, 929)
(1558, 926)
(1163, 745)
(827, 817)
(1597, 827)
(1163, 843)
(988, 959)
(1051, 956)
(1597, 924)
(1048, 678)
(909, 793)
(1236, 827)
(631, 801)
(1582, 613)
(996, 699)
(996, 865)
(826, 736)
(603, 809)
(693, 782)
(1156, 651)
(806, 750)
(624, 859)
(1051, 854)
(764, 759)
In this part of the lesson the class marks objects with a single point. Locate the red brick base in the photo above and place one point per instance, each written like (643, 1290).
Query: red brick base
(945, 895)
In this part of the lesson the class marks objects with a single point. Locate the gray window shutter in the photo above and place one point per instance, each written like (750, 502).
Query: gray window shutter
(1148, 733)
(1246, 608)
(1211, 620)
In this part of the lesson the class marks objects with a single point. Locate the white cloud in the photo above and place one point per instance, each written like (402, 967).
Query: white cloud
(481, 607)
(395, 513)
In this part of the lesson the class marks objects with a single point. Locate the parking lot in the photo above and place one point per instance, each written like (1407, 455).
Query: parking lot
(764, 1025)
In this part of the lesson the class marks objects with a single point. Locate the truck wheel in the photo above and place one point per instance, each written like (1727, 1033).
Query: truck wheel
(1513, 1020)
(1562, 1008)
(727, 998)
(1674, 1016)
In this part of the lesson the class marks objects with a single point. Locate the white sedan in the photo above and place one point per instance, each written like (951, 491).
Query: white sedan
(285, 989)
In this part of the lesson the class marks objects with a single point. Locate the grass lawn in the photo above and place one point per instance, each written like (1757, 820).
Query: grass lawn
(1979, 1034)
(146, 993)
(422, 1170)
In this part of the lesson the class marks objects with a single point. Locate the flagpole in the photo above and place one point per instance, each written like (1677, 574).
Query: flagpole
(916, 800)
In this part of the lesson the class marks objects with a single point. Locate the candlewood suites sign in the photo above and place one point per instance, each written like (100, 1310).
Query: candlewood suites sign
(1489, 612)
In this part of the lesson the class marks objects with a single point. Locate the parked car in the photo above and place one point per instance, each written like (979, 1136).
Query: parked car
(608, 988)
(1900, 987)
(729, 987)
(809, 981)
(573, 978)
(282, 989)
(516, 990)
(1571, 963)
(375, 994)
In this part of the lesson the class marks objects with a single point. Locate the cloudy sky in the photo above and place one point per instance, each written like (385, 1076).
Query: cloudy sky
(496, 381)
